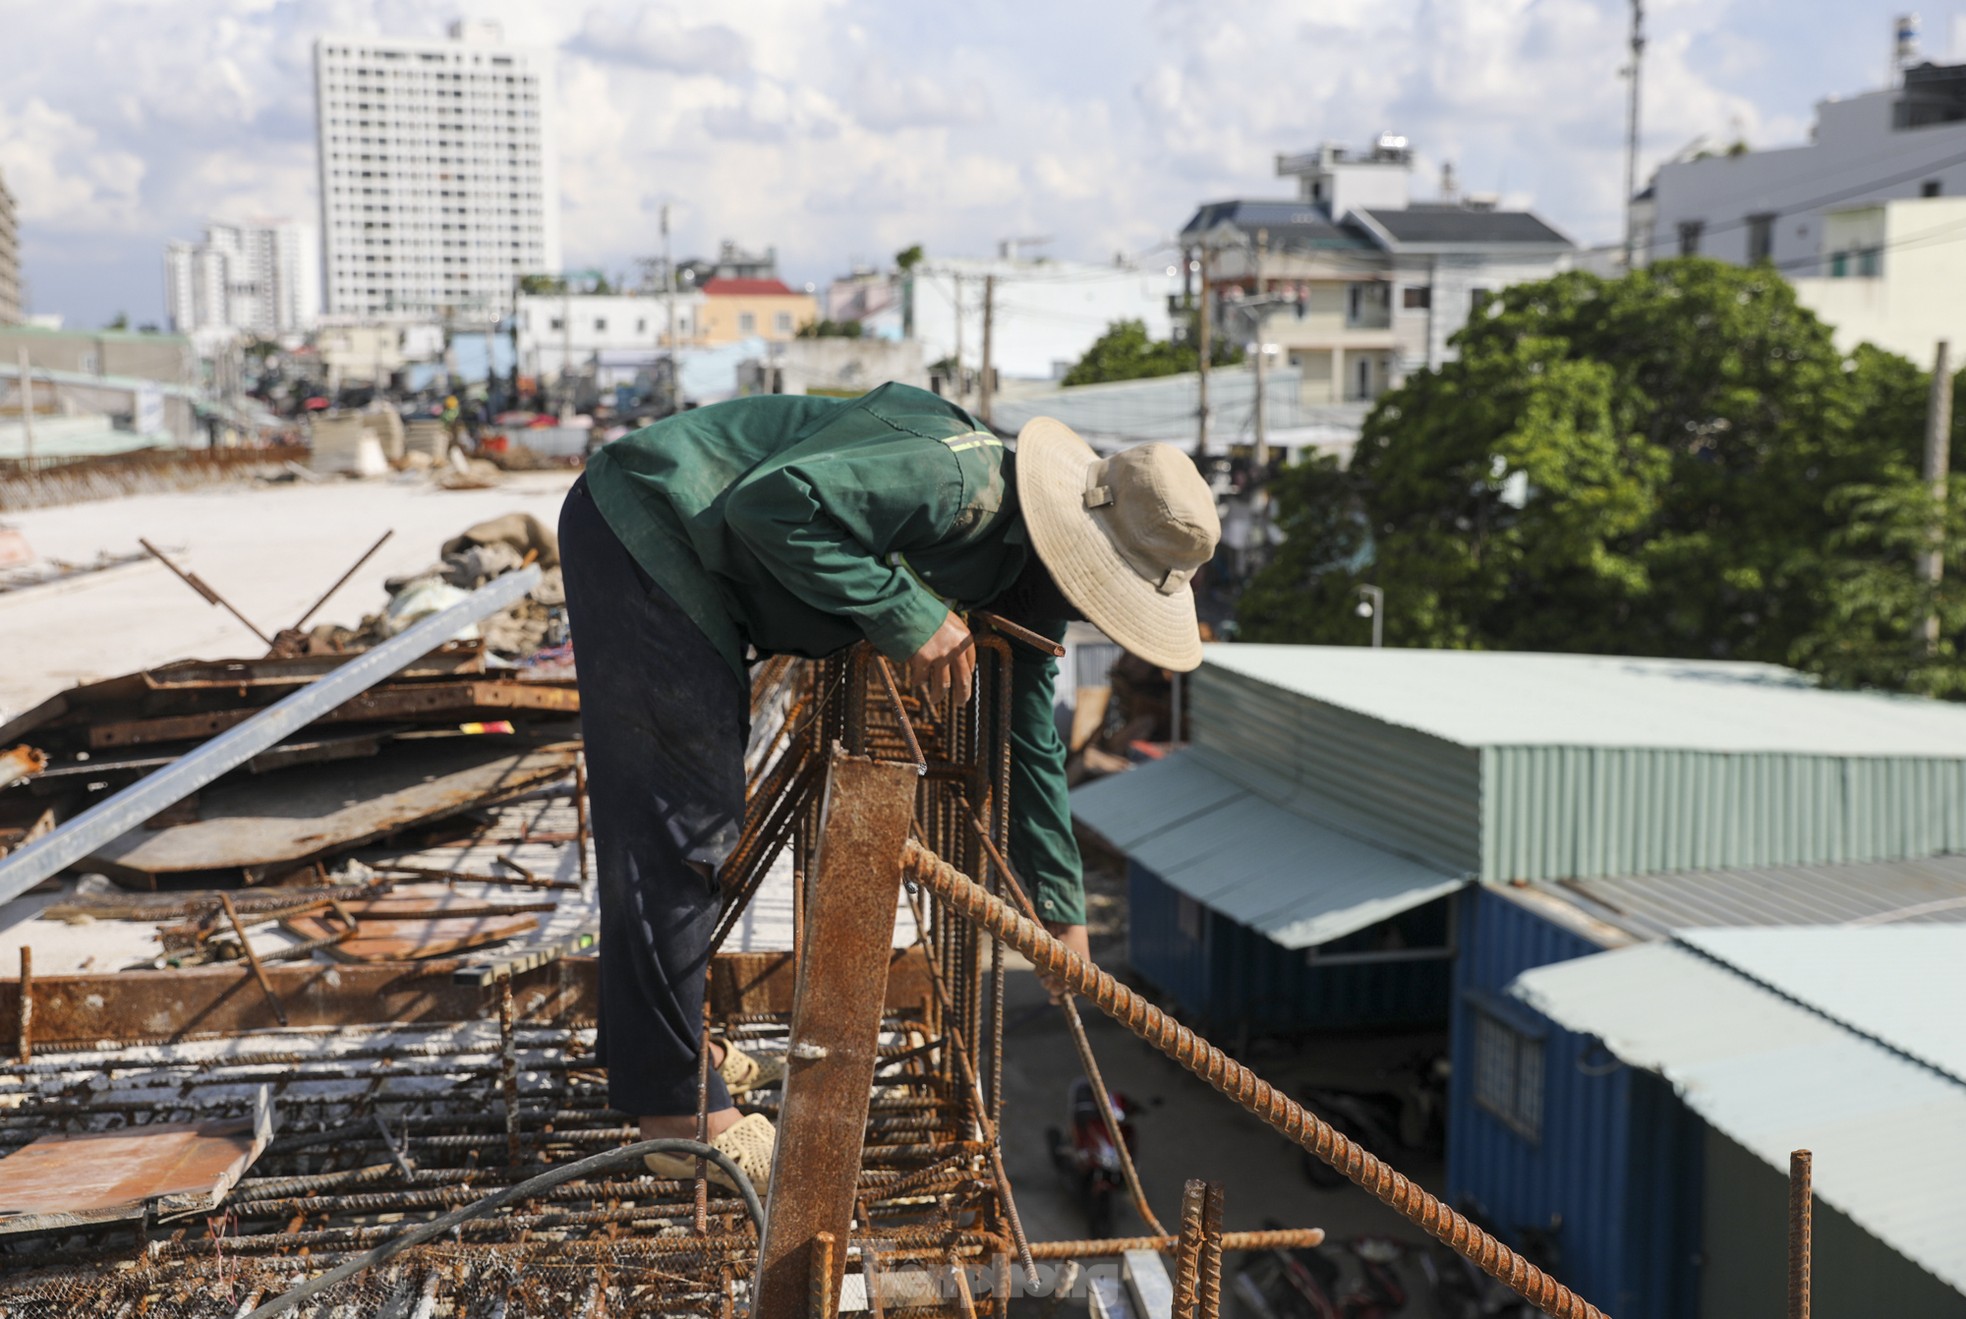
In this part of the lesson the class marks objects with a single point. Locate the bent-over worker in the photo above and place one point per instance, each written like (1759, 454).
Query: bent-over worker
(800, 525)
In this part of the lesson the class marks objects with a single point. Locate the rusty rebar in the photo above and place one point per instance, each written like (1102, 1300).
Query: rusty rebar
(1229, 1077)
(886, 670)
(198, 584)
(341, 581)
(580, 829)
(508, 1069)
(1018, 632)
(24, 1021)
(252, 958)
(823, 1302)
(1801, 1230)
(1208, 1285)
(1292, 1238)
(1187, 1254)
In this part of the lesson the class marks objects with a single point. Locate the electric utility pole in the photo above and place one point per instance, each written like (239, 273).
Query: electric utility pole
(669, 297)
(1938, 441)
(1631, 131)
(1260, 415)
(1201, 347)
(983, 380)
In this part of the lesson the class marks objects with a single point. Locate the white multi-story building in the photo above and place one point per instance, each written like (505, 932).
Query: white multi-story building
(439, 184)
(260, 278)
(1742, 206)
(11, 301)
(1044, 314)
(561, 330)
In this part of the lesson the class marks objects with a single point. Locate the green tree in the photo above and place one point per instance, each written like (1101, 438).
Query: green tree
(908, 258)
(830, 329)
(1646, 465)
(1124, 352)
(120, 321)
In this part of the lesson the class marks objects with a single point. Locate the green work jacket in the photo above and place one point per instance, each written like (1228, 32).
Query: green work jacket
(785, 524)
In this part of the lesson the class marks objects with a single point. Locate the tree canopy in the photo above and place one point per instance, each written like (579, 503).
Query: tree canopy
(1124, 352)
(1678, 463)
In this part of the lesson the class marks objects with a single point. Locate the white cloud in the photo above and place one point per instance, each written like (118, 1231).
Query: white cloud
(838, 129)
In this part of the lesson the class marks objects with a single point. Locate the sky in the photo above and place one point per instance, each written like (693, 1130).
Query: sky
(842, 131)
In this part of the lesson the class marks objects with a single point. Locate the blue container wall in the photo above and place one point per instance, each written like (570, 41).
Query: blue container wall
(1227, 977)
(1618, 1160)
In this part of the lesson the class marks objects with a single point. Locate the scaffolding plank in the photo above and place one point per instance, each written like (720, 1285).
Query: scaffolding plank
(836, 1012)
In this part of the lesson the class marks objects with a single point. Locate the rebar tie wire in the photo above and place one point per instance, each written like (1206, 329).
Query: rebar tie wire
(532, 1186)
(1229, 1077)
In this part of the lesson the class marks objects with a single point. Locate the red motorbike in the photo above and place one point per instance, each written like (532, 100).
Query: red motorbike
(1089, 1159)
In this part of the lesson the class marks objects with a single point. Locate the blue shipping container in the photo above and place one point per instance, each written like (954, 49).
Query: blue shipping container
(1604, 1160)
(1228, 978)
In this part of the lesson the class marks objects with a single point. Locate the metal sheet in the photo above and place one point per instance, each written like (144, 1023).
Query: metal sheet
(836, 1023)
(1299, 881)
(1926, 890)
(1888, 1133)
(287, 816)
(129, 808)
(63, 1181)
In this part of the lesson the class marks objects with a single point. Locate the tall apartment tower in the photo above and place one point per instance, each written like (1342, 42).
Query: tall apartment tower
(10, 291)
(439, 184)
(261, 278)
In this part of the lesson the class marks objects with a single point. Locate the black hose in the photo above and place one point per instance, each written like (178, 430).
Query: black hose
(532, 1186)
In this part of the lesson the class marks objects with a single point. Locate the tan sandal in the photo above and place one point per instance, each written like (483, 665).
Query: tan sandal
(749, 1143)
(743, 1072)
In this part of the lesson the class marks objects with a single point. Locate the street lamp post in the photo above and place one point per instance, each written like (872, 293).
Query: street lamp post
(1372, 605)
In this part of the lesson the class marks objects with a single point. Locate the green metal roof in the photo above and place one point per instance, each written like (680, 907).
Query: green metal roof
(1563, 766)
(1491, 698)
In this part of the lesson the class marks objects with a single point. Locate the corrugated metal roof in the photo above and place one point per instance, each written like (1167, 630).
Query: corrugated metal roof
(1492, 698)
(1888, 1133)
(1461, 226)
(1929, 891)
(1904, 988)
(1245, 854)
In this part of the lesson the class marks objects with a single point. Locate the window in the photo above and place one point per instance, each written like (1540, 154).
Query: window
(1354, 301)
(1761, 238)
(1689, 237)
(1364, 377)
(555, 324)
(1870, 262)
(1508, 1079)
(1930, 188)
(1478, 300)
(782, 322)
(747, 323)
(600, 325)
(641, 326)
(1839, 265)
(1416, 298)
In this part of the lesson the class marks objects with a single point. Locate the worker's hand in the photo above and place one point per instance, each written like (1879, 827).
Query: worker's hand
(1073, 937)
(946, 662)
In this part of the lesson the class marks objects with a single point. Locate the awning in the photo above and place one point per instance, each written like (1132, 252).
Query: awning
(1240, 852)
(1779, 1066)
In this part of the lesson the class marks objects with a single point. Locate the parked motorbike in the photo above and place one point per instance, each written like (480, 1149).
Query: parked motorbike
(1088, 1157)
(1338, 1280)
(1407, 1116)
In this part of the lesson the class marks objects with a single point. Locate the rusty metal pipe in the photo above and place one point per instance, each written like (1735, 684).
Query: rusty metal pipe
(1296, 1123)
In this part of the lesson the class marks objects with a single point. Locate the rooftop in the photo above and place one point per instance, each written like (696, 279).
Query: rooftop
(746, 288)
(1926, 890)
(1491, 698)
(1460, 226)
(1290, 223)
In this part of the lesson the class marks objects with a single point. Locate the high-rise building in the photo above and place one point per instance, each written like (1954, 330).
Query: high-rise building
(439, 186)
(10, 294)
(259, 278)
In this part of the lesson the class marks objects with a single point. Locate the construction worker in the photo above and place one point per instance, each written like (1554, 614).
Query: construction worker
(800, 525)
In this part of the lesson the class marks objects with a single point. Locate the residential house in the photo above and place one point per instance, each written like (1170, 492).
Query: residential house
(734, 309)
(1364, 837)
(558, 331)
(1742, 206)
(1892, 276)
(1354, 282)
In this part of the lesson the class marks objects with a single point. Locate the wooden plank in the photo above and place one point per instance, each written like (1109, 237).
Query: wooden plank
(285, 817)
(836, 1017)
(65, 1181)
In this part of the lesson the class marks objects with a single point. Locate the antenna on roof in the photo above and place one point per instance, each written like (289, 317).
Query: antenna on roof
(1631, 130)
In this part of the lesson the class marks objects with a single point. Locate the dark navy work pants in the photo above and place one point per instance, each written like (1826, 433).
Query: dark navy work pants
(665, 721)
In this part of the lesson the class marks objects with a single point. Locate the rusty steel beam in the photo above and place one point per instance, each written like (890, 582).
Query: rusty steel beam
(401, 701)
(126, 1007)
(865, 815)
(1235, 1081)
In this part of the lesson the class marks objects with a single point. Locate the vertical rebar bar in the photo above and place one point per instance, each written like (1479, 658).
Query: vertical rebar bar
(25, 1034)
(1801, 1231)
(508, 1069)
(823, 1304)
(581, 835)
(1208, 1288)
(252, 958)
(1187, 1250)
